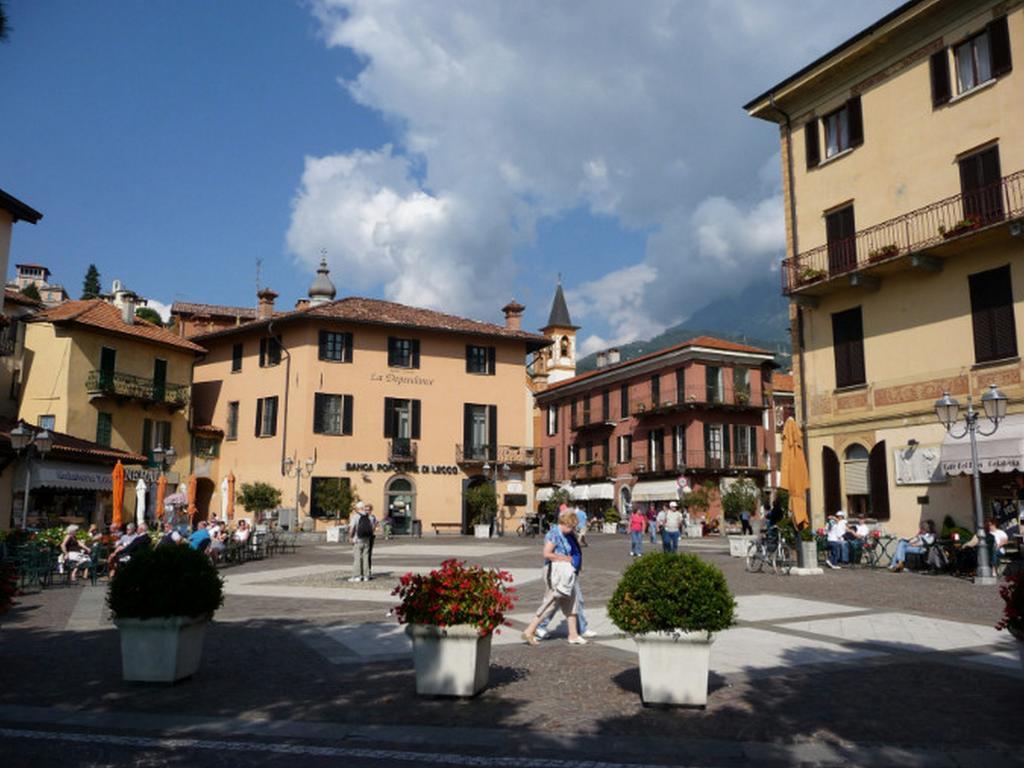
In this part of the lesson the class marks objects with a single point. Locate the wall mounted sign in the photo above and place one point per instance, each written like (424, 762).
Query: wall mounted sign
(417, 469)
(401, 379)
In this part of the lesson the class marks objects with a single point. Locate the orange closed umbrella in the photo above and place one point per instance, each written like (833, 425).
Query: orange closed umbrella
(117, 476)
(192, 510)
(161, 491)
(793, 475)
(231, 496)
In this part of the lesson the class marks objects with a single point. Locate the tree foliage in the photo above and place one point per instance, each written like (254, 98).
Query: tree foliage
(91, 284)
(336, 497)
(4, 26)
(165, 581)
(699, 499)
(259, 497)
(482, 503)
(150, 315)
(559, 497)
(31, 292)
(741, 496)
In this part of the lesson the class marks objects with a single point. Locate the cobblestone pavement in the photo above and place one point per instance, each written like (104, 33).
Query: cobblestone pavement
(851, 668)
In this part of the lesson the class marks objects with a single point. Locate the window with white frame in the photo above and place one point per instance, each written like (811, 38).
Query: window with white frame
(973, 62)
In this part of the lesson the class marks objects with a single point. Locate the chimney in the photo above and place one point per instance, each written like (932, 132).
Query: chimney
(613, 356)
(302, 304)
(513, 315)
(265, 308)
(602, 359)
(128, 307)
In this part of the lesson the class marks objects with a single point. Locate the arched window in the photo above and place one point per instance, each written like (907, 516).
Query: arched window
(564, 346)
(857, 477)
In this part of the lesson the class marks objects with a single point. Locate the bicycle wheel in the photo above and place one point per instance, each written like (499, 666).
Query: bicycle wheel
(782, 559)
(755, 557)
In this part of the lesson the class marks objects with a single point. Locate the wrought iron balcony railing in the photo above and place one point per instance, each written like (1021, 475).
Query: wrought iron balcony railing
(116, 384)
(693, 397)
(514, 455)
(589, 470)
(953, 217)
(667, 462)
(402, 450)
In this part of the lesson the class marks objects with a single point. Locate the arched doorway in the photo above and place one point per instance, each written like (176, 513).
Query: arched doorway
(857, 480)
(204, 493)
(625, 501)
(400, 504)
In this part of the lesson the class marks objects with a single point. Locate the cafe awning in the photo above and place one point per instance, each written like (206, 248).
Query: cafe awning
(544, 494)
(593, 491)
(999, 452)
(656, 490)
(54, 474)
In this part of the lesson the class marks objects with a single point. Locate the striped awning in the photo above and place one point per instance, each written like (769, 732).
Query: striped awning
(656, 490)
(544, 494)
(594, 491)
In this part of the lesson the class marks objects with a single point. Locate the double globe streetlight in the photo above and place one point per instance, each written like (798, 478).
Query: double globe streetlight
(293, 468)
(947, 409)
(23, 441)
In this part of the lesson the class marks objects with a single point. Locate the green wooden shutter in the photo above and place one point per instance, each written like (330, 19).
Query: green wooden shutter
(346, 417)
(492, 431)
(147, 440)
(389, 409)
(415, 353)
(941, 91)
(415, 420)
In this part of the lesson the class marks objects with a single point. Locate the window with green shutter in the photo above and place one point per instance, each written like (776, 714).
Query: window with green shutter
(104, 428)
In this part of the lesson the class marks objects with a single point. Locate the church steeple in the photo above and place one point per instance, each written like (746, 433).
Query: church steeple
(561, 356)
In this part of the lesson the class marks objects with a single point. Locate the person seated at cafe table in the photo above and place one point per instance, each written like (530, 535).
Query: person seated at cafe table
(76, 554)
(241, 534)
(997, 540)
(838, 546)
(917, 544)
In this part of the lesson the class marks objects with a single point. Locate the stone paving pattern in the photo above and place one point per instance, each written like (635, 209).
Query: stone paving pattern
(260, 663)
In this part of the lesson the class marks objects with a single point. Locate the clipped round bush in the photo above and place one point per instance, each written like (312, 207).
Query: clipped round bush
(165, 581)
(665, 591)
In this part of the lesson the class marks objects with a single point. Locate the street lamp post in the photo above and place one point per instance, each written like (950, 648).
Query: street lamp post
(23, 441)
(946, 409)
(292, 468)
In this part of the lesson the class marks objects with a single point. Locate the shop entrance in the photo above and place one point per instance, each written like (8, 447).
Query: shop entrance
(473, 482)
(400, 503)
(204, 493)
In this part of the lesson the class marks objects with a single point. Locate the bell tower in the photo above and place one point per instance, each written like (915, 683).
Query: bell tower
(561, 359)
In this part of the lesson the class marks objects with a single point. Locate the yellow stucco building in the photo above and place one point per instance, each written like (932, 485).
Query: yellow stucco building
(903, 179)
(93, 371)
(409, 406)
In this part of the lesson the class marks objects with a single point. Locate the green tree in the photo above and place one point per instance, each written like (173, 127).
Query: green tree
(259, 498)
(150, 315)
(558, 498)
(336, 497)
(482, 502)
(4, 26)
(699, 499)
(31, 292)
(743, 495)
(91, 284)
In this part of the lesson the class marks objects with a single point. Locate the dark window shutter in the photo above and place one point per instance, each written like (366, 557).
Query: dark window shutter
(811, 143)
(348, 347)
(855, 121)
(879, 482)
(680, 385)
(147, 439)
(492, 361)
(346, 416)
(830, 480)
(259, 415)
(263, 352)
(272, 410)
(415, 353)
(492, 431)
(707, 438)
(726, 446)
(848, 347)
(552, 460)
(318, 413)
(999, 46)
(469, 358)
(415, 420)
(389, 409)
(323, 345)
(992, 318)
(467, 429)
(391, 351)
(753, 446)
(941, 91)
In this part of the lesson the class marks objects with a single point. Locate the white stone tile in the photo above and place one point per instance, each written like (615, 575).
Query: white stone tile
(903, 631)
(780, 607)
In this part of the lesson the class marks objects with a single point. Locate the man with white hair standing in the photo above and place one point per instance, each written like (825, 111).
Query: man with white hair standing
(360, 534)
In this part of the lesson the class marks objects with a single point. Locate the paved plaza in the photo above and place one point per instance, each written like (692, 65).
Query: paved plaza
(855, 667)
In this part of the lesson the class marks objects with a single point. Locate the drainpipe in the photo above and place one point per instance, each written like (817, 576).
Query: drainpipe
(799, 335)
(284, 423)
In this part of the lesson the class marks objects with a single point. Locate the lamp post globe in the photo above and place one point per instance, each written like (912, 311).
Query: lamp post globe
(44, 442)
(20, 437)
(994, 403)
(946, 409)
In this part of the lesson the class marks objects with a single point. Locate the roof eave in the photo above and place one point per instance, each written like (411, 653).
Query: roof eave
(19, 210)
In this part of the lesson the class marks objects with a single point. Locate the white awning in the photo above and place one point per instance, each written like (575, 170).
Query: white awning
(1000, 452)
(80, 477)
(656, 490)
(594, 491)
(544, 494)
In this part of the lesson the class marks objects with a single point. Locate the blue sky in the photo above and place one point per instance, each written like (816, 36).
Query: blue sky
(449, 154)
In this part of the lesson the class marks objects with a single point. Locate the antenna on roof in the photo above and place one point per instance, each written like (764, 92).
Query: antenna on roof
(259, 270)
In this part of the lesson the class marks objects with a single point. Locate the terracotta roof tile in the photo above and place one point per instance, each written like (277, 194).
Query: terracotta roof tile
(706, 342)
(214, 310)
(378, 312)
(67, 446)
(98, 314)
(782, 382)
(17, 297)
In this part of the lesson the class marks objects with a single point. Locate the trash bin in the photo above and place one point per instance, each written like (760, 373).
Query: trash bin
(417, 528)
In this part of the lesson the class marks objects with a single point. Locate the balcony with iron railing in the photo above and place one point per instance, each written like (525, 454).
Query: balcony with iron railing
(402, 450)
(913, 240)
(515, 456)
(694, 397)
(667, 462)
(544, 475)
(594, 469)
(128, 387)
(586, 423)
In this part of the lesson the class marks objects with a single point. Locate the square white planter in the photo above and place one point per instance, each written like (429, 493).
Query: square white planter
(738, 545)
(674, 667)
(334, 534)
(482, 531)
(694, 531)
(450, 661)
(161, 650)
(609, 527)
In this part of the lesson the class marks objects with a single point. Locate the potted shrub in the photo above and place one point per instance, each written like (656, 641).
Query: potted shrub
(452, 613)
(808, 275)
(807, 554)
(741, 496)
(611, 520)
(1013, 610)
(673, 604)
(482, 504)
(162, 599)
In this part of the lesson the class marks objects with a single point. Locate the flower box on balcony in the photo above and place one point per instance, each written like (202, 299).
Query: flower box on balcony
(883, 253)
(962, 226)
(809, 275)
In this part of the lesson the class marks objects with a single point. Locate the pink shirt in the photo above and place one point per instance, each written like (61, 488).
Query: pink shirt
(637, 522)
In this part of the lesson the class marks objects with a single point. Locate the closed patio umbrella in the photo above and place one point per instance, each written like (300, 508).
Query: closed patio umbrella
(231, 495)
(117, 476)
(140, 503)
(161, 491)
(192, 509)
(793, 475)
(224, 499)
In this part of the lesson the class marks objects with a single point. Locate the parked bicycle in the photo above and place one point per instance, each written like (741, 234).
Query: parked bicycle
(771, 549)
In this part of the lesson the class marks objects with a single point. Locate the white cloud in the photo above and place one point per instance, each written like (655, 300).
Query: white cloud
(508, 113)
(164, 310)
